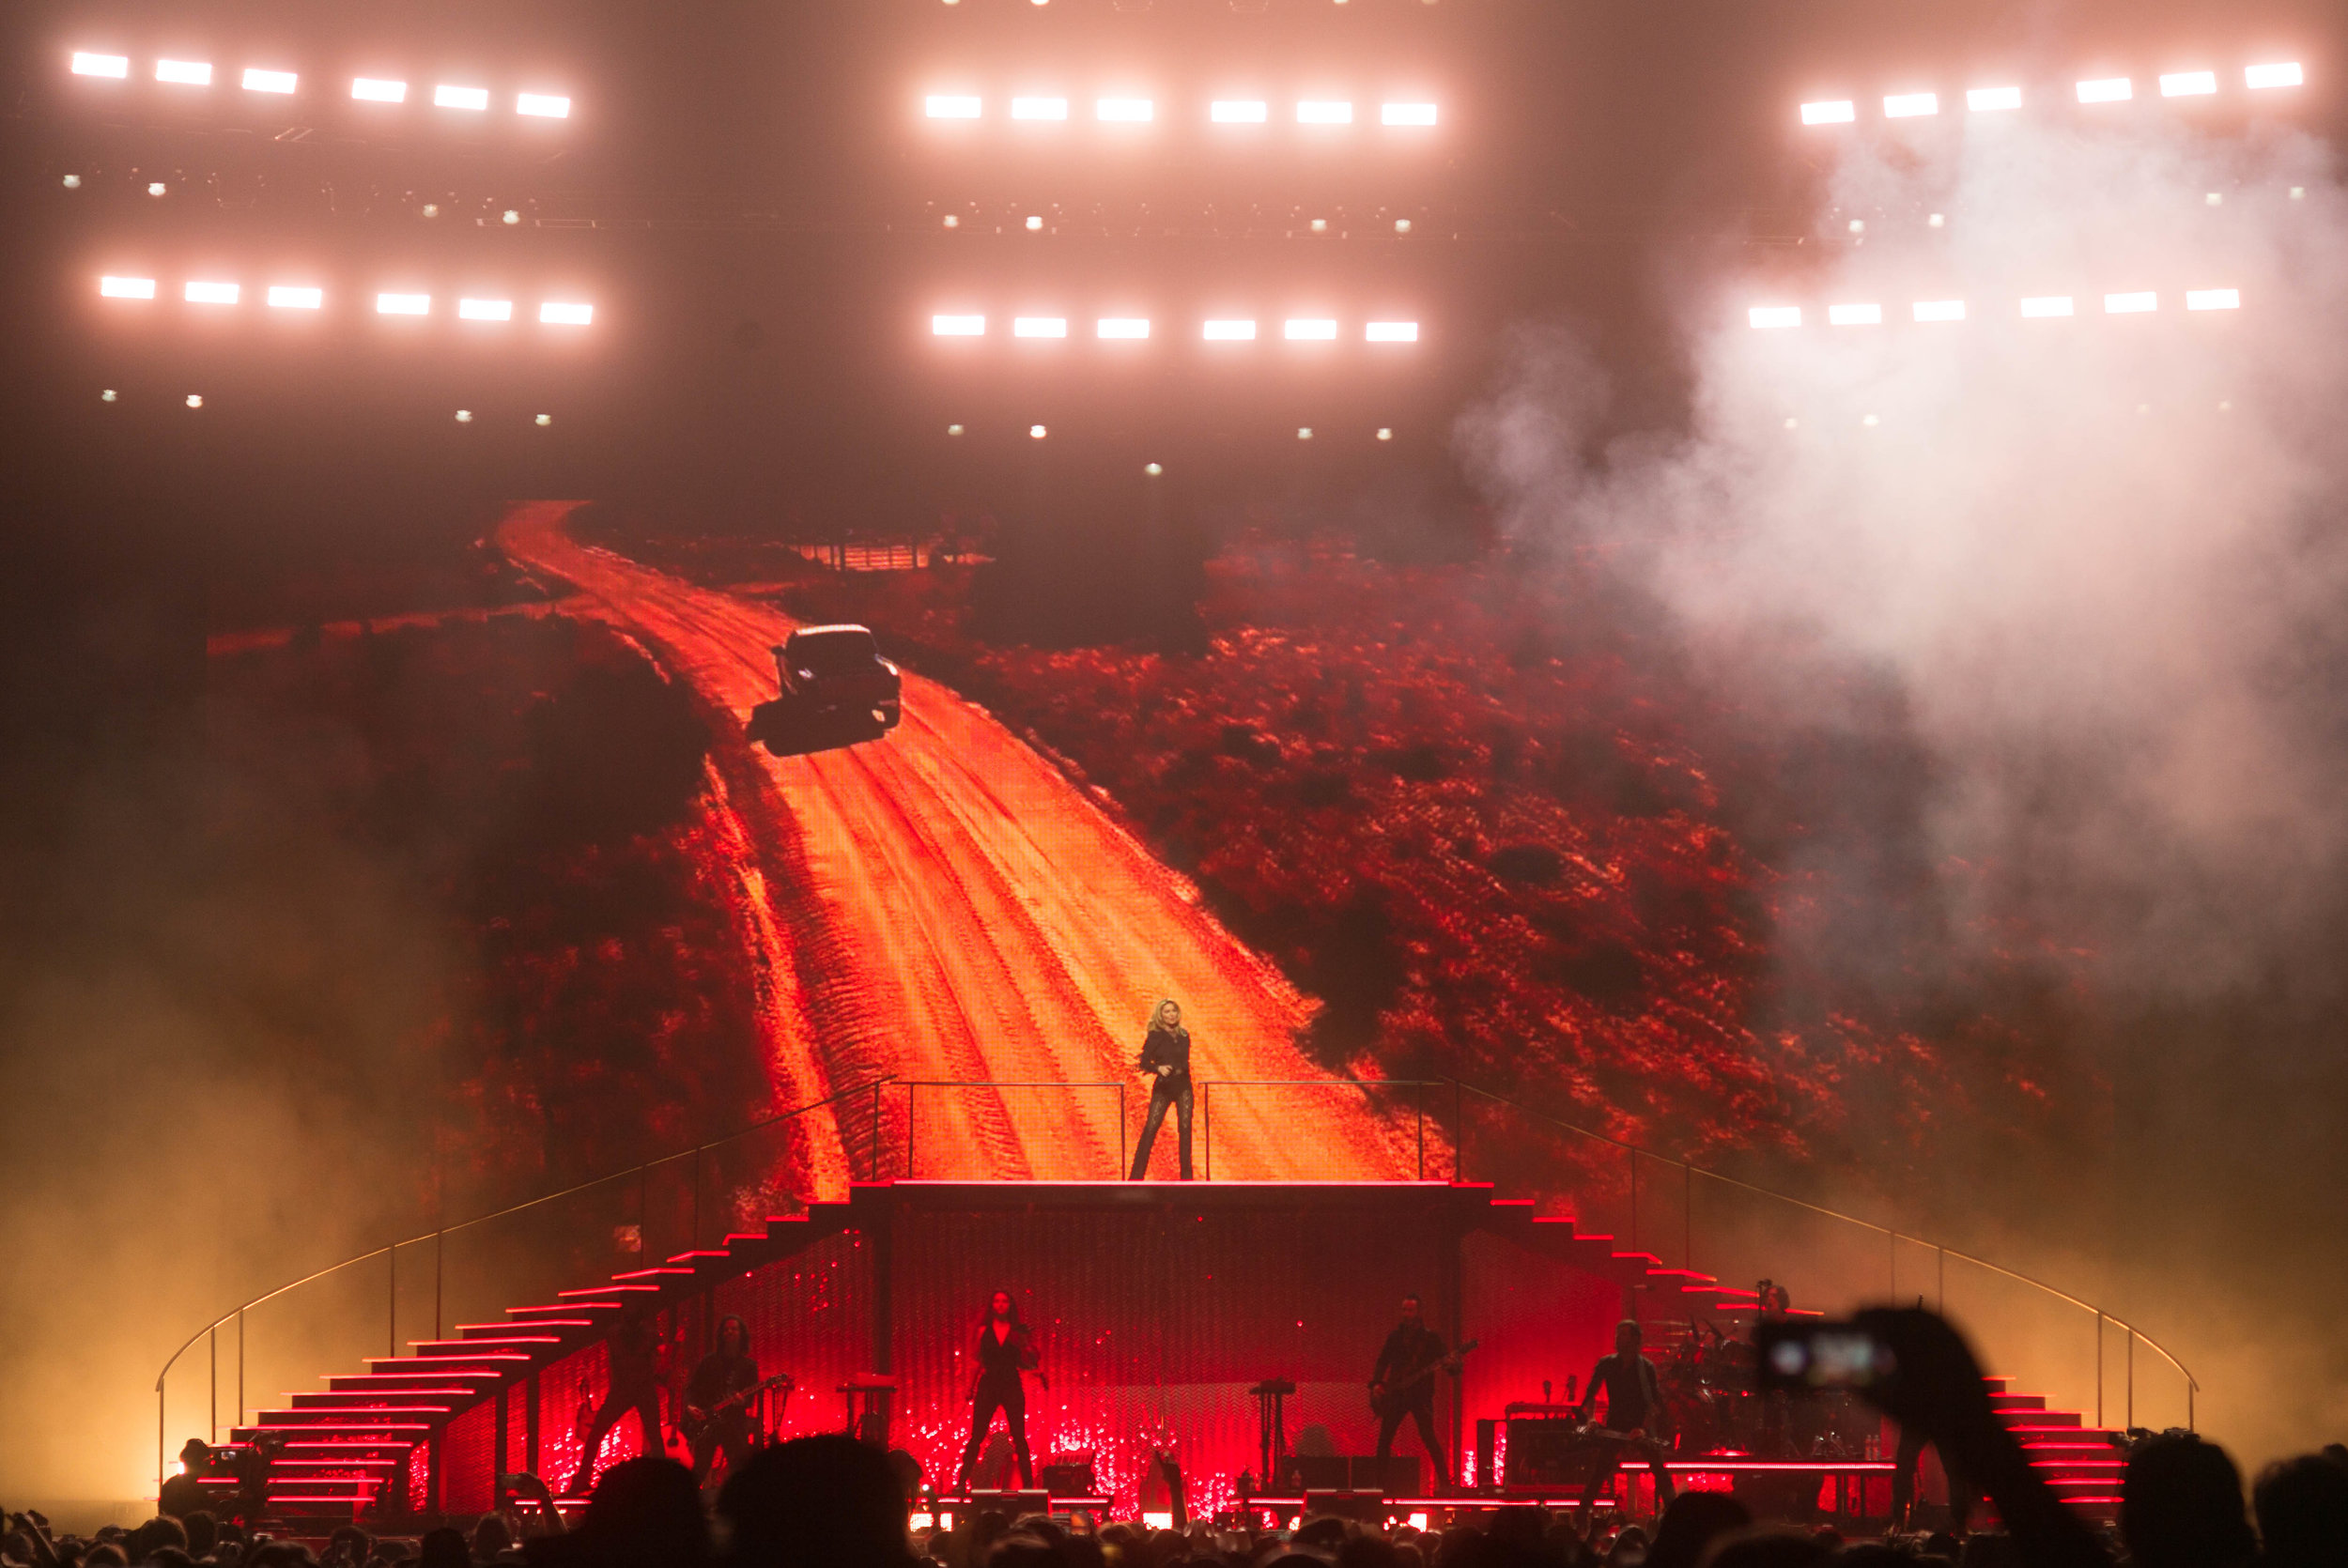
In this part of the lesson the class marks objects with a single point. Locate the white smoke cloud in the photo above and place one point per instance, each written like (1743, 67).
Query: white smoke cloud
(2099, 556)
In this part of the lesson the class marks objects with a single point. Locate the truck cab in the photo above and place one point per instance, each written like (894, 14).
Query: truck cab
(837, 673)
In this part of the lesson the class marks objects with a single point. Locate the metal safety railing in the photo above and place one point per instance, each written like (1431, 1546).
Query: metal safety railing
(1655, 1198)
(1640, 1220)
(866, 1097)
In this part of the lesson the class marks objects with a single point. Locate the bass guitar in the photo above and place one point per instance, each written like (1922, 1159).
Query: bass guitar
(695, 1421)
(1398, 1396)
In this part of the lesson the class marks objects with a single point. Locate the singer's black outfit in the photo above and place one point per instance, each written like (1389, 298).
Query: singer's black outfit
(1412, 1348)
(1166, 1048)
(1000, 1361)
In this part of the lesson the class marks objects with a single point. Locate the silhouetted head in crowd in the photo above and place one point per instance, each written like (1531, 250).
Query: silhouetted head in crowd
(203, 1532)
(2181, 1505)
(491, 1535)
(349, 1544)
(1765, 1546)
(104, 1555)
(826, 1502)
(646, 1512)
(2302, 1507)
(163, 1531)
(170, 1557)
(1691, 1522)
(443, 1548)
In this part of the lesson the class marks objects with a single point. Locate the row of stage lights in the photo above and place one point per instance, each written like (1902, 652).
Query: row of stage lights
(1046, 109)
(309, 297)
(1130, 329)
(195, 400)
(2041, 307)
(1042, 431)
(2105, 90)
(364, 89)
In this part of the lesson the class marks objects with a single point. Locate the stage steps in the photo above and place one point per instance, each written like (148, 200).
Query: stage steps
(2080, 1461)
(348, 1444)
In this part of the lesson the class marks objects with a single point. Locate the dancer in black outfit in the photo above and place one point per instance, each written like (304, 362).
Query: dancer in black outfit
(1166, 1062)
(634, 1348)
(1006, 1349)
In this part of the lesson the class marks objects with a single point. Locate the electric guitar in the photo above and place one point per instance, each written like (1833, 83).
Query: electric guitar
(1397, 1396)
(695, 1421)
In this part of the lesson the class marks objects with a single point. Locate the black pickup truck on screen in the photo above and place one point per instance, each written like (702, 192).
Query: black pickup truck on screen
(836, 674)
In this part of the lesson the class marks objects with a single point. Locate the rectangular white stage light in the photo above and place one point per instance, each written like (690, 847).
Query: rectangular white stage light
(1854, 315)
(2285, 74)
(1124, 111)
(1406, 114)
(2109, 89)
(1774, 315)
(1039, 326)
(1391, 331)
(2045, 306)
(260, 81)
(2189, 84)
(485, 310)
(188, 73)
(127, 288)
(373, 89)
(555, 313)
(1905, 106)
(1939, 310)
(2213, 299)
(1039, 108)
(1323, 111)
(1230, 331)
(403, 304)
(2130, 304)
(1984, 100)
(1309, 329)
(446, 96)
(211, 294)
(958, 326)
(1121, 327)
(1841, 111)
(1238, 111)
(950, 106)
(116, 66)
(552, 106)
(295, 296)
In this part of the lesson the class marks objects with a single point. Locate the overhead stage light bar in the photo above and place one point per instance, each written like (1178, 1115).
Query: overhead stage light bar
(485, 310)
(550, 106)
(199, 293)
(958, 326)
(2130, 304)
(1314, 111)
(127, 288)
(188, 73)
(1939, 310)
(309, 297)
(1391, 331)
(375, 89)
(115, 66)
(555, 313)
(1854, 315)
(2046, 307)
(403, 304)
(1239, 111)
(1406, 114)
(1124, 111)
(2036, 307)
(1122, 327)
(2104, 89)
(952, 106)
(2213, 299)
(260, 81)
(1039, 108)
(270, 79)
(1770, 317)
(1309, 329)
(1039, 326)
(447, 96)
(295, 296)
(1230, 331)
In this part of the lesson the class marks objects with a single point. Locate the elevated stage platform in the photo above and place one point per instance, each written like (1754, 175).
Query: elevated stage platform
(1157, 1306)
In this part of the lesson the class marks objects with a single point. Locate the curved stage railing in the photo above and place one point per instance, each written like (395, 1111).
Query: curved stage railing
(1716, 1224)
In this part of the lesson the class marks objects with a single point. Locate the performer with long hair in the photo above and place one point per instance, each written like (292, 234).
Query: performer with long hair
(1166, 1062)
(1006, 1349)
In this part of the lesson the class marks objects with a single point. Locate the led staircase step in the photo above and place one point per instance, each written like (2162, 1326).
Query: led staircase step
(413, 1382)
(2006, 1402)
(598, 1291)
(655, 1275)
(492, 1364)
(436, 1397)
(501, 1333)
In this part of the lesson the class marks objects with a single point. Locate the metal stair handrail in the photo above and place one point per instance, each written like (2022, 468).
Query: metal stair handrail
(438, 1233)
(1690, 1171)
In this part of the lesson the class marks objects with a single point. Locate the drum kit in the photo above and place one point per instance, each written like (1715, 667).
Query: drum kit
(1713, 1404)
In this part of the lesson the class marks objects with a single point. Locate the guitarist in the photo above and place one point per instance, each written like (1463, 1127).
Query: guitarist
(1634, 1416)
(721, 1378)
(1403, 1384)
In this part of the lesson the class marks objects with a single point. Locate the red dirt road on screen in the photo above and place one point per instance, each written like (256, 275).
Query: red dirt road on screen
(957, 910)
